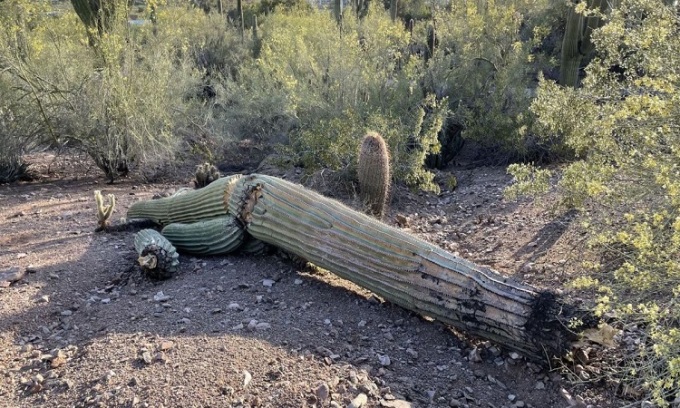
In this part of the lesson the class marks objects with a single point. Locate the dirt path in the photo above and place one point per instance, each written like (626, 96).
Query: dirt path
(83, 328)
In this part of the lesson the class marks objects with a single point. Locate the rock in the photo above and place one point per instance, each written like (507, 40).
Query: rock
(247, 378)
(359, 401)
(298, 281)
(234, 306)
(540, 385)
(161, 297)
(384, 360)
(263, 326)
(147, 358)
(512, 397)
(268, 283)
(66, 312)
(514, 355)
(57, 362)
(474, 355)
(11, 275)
(362, 323)
(395, 404)
(322, 392)
(411, 352)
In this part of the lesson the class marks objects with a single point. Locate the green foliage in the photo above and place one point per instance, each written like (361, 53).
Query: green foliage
(121, 103)
(624, 128)
(322, 91)
(485, 60)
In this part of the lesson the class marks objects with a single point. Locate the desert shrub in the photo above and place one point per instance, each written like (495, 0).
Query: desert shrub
(485, 59)
(120, 101)
(321, 87)
(624, 126)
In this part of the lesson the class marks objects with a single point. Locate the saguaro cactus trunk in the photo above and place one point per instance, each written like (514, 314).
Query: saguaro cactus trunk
(400, 267)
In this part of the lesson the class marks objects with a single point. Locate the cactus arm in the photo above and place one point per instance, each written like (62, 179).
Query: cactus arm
(104, 211)
(216, 236)
(196, 205)
(157, 257)
(400, 267)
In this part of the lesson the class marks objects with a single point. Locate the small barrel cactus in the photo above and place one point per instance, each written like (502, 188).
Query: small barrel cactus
(206, 173)
(374, 173)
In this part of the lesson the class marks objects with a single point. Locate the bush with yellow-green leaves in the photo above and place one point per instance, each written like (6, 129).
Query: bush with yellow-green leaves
(623, 125)
(121, 98)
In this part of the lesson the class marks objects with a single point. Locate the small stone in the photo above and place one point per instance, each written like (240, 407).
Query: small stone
(263, 326)
(252, 325)
(384, 360)
(22, 255)
(512, 397)
(430, 394)
(161, 297)
(57, 362)
(359, 401)
(166, 345)
(38, 378)
(268, 283)
(362, 323)
(519, 404)
(540, 385)
(411, 352)
(514, 355)
(247, 377)
(475, 355)
(66, 313)
(322, 392)
(106, 301)
(234, 306)
(298, 281)
(396, 404)
(146, 357)
(43, 299)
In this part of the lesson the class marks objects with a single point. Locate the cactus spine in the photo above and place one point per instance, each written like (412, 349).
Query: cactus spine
(374, 173)
(157, 257)
(216, 236)
(104, 211)
(205, 174)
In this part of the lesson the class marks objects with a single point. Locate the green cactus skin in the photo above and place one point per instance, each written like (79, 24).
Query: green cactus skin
(577, 41)
(400, 267)
(393, 10)
(196, 205)
(337, 10)
(104, 211)
(157, 257)
(374, 173)
(216, 236)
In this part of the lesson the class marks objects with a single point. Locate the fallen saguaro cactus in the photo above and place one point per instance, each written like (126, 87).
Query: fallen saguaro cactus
(396, 265)
(157, 257)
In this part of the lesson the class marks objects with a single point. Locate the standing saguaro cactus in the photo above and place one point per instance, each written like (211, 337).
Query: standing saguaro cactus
(393, 10)
(374, 173)
(104, 211)
(577, 42)
(337, 10)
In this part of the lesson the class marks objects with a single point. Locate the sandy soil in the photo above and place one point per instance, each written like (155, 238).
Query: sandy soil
(84, 328)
